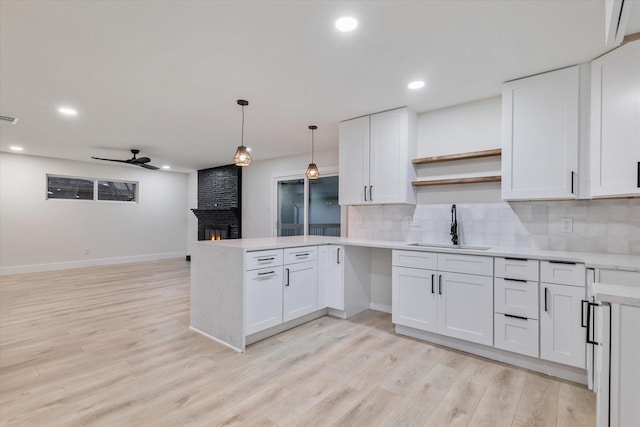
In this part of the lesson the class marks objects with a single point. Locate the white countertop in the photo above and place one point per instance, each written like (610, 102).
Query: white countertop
(591, 260)
(617, 294)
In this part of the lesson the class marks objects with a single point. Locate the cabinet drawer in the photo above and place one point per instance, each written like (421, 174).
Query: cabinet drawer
(517, 268)
(562, 273)
(261, 259)
(263, 299)
(302, 254)
(516, 334)
(516, 297)
(415, 259)
(466, 264)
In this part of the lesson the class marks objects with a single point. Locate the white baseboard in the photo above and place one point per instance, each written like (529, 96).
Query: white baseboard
(226, 344)
(380, 307)
(35, 268)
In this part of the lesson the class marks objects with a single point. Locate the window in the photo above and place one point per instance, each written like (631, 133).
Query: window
(71, 188)
(307, 207)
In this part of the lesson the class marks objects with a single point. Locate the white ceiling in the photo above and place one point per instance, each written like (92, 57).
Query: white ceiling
(164, 76)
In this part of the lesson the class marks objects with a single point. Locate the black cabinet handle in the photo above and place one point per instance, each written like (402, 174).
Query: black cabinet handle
(563, 262)
(573, 174)
(365, 193)
(514, 280)
(638, 174)
(304, 254)
(371, 193)
(266, 259)
(432, 279)
(440, 284)
(286, 283)
(584, 301)
(545, 299)
(516, 317)
(267, 272)
(591, 320)
(516, 259)
(338, 256)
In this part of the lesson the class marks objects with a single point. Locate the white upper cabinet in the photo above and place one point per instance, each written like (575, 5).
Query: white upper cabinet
(615, 123)
(375, 158)
(540, 132)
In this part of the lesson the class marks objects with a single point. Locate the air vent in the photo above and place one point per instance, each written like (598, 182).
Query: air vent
(12, 120)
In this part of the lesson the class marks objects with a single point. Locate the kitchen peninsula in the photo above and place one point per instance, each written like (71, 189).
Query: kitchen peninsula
(245, 290)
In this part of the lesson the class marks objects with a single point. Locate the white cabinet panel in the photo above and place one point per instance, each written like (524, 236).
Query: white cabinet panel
(516, 334)
(375, 158)
(300, 294)
(468, 264)
(354, 161)
(516, 297)
(540, 129)
(415, 259)
(330, 277)
(263, 299)
(414, 298)
(615, 114)
(562, 337)
(301, 254)
(517, 268)
(262, 259)
(465, 310)
(563, 273)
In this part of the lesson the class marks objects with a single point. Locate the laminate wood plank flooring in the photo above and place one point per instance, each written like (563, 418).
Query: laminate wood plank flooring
(110, 346)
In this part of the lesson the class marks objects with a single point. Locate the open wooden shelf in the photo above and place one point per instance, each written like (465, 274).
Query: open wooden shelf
(494, 178)
(460, 156)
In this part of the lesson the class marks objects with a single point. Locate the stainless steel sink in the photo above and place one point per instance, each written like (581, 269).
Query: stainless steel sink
(448, 246)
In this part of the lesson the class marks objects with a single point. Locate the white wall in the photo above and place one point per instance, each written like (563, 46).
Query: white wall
(258, 188)
(39, 234)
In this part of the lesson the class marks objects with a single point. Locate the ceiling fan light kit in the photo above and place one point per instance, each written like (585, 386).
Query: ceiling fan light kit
(312, 169)
(242, 156)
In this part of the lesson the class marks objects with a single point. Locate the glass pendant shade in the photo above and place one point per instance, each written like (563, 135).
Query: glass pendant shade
(242, 156)
(312, 169)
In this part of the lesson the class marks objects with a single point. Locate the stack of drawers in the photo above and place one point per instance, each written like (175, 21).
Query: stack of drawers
(516, 305)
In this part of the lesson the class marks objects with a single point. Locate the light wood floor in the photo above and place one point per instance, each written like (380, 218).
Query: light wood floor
(110, 346)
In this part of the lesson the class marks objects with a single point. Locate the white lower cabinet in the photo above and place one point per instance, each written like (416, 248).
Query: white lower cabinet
(562, 337)
(331, 277)
(453, 304)
(264, 299)
(300, 295)
(516, 333)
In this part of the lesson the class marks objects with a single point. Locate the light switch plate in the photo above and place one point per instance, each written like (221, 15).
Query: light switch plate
(566, 225)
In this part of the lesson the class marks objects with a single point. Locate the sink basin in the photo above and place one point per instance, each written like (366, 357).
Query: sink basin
(448, 246)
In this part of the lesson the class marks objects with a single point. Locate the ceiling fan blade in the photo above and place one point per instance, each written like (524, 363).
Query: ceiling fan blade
(112, 160)
(144, 165)
(142, 160)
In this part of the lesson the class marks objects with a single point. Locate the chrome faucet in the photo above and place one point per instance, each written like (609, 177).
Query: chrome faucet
(454, 225)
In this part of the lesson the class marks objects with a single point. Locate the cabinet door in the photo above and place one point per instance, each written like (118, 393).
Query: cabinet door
(300, 294)
(354, 161)
(264, 299)
(615, 114)
(414, 298)
(389, 157)
(540, 124)
(562, 337)
(465, 308)
(330, 277)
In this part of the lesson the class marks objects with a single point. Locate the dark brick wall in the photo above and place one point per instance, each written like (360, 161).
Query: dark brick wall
(219, 200)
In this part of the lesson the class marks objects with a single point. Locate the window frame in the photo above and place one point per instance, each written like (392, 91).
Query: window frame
(95, 188)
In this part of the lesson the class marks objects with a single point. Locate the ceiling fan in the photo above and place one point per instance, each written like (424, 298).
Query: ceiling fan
(142, 161)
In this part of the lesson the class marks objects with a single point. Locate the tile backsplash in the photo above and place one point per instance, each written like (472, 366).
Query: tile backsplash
(606, 226)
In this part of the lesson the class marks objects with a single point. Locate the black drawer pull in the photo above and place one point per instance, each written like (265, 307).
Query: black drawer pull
(514, 280)
(304, 254)
(266, 259)
(515, 259)
(584, 301)
(563, 262)
(267, 272)
(515, 317)
(638, 174)
(545, 299)
(440, 284)
(432, 279)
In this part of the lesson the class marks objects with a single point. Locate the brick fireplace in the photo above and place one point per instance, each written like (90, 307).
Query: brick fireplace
(219, 203)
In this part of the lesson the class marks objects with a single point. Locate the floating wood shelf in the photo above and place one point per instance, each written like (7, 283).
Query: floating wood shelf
(460, 156)
(495, 178)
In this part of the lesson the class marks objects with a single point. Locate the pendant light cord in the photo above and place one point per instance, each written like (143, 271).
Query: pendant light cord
(312, 145)
(242, 132)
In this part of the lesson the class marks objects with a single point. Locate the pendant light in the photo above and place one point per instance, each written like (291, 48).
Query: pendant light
(242, 156)
(312, 169)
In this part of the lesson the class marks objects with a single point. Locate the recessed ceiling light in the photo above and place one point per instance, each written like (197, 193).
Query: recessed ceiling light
(346, 24)
(166, 167)
(418, 84)
(67, 111)
(16, 148)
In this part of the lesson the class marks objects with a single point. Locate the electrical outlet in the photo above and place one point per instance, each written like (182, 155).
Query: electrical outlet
(87, 251)
(566, 225)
